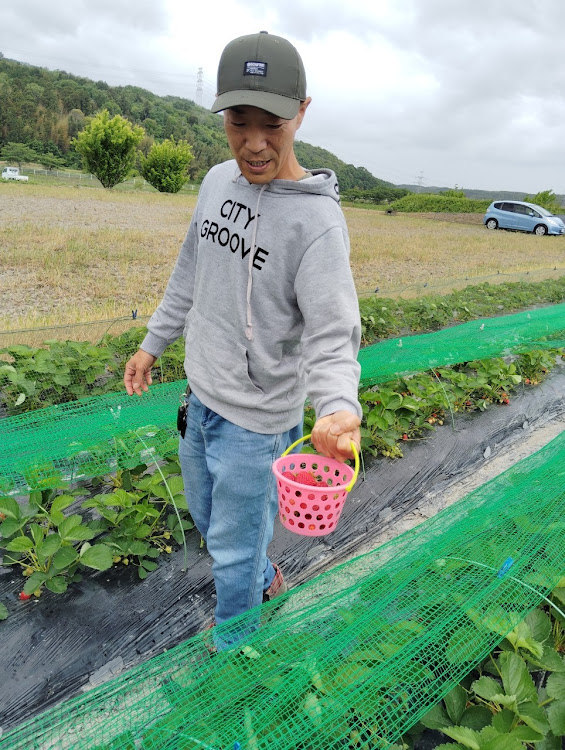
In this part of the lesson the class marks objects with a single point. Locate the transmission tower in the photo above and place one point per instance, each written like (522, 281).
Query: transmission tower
(199, 87)
(420, 179)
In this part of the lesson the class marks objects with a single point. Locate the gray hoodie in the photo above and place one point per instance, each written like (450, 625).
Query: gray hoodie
(263, 292)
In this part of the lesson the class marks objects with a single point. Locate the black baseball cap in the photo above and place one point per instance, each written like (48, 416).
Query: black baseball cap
(262, 70)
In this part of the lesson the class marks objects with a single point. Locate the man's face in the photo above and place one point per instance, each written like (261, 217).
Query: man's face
(262, 143)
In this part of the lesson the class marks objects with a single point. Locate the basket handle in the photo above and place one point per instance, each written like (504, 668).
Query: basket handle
(353, 448)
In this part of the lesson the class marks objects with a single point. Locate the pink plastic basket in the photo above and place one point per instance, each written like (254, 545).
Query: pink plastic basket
(310, 510)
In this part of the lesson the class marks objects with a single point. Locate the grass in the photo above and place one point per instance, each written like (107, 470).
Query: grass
(71, 254)
(409, 253)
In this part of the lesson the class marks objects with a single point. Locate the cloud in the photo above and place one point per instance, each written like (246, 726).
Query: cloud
(36, 19)
(466, 92)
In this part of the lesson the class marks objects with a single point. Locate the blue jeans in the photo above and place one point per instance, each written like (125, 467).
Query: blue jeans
(232, 498)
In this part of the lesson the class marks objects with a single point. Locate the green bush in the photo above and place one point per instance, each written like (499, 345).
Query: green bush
(107, 146)
(430, 202)
(166, 165)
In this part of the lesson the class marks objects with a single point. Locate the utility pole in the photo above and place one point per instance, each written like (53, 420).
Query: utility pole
(199, 87)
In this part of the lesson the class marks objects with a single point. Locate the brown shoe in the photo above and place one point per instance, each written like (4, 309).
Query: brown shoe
(208, 638)
(278, 586)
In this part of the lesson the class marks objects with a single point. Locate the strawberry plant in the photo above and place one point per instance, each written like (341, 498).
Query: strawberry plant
(168, 368)
(63, 371)
(534, 366)
(387, 416)
(516, 697)
(132, 526)
(382, 317)
(47, 545)
(138, 525)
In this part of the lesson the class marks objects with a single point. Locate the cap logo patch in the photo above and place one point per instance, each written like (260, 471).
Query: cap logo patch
(254, 68)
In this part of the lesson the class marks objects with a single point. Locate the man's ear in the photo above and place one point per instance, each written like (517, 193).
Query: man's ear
(302, 111)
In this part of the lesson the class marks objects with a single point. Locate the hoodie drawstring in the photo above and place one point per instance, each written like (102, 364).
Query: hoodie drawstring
(249, 327)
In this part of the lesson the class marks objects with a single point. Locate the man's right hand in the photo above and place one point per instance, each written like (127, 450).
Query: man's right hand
(137, 373)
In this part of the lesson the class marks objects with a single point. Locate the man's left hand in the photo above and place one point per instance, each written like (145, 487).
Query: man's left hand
(332, 435)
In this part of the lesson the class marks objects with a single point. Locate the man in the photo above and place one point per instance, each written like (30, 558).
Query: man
(263, 292)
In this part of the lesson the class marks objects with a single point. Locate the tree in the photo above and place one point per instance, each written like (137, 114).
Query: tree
(19, 153)
(547, 199)
(107, 146)
(50, 161)
(166, 165)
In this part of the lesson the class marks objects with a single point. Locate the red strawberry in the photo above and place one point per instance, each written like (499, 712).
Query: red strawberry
(306, 477)
(24, 597)
(288, 475)
(321, 483)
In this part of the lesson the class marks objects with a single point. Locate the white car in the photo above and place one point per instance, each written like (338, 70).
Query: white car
(13, 173)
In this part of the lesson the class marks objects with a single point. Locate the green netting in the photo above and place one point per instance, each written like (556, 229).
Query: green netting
(93, 436)
(88, 438)
(478, 339)
(365, 648)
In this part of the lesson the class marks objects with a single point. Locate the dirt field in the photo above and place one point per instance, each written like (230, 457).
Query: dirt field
(70, 254)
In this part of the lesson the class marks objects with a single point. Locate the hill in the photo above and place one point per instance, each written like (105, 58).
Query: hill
(489, 195)
(350, 177)
(45, 109)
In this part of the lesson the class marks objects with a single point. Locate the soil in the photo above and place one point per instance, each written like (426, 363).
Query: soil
(100, 212)
(457, 218)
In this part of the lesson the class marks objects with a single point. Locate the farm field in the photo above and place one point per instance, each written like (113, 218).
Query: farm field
(73, 254)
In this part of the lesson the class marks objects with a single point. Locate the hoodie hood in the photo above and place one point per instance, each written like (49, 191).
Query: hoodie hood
(318, 182)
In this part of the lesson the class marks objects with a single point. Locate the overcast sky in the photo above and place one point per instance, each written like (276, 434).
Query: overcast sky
(467, 93)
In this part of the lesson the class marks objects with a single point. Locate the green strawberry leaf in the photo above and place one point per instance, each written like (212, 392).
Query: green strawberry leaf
(64, 557)
(9, 527)
(487, 688)
(539, 624)
(20, 544)
(35, 581)
(10, 508)
(57, 585)
(436, 718)
(503, 721)
(525, 733)
(97, 556)
(550, 661)
(549, 742)
(465, 736)
(534, 716)
(556, 685)
(516, 677)
(556, 718)
(455, 702)
(48, 547)
(475, 717)
(503, 742)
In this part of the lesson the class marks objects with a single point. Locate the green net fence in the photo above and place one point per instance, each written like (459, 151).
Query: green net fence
(478, 339)
(95, 435)
(88, 438)
(355, 656)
